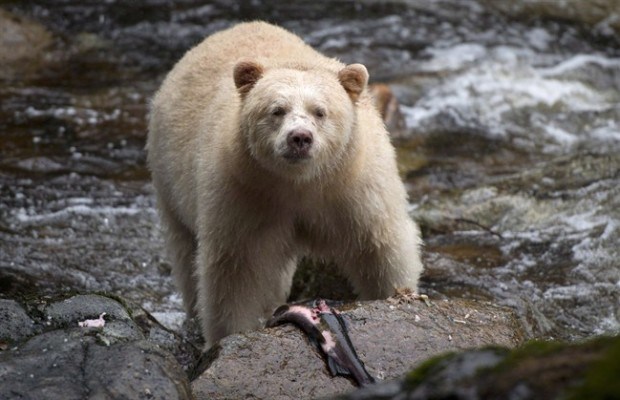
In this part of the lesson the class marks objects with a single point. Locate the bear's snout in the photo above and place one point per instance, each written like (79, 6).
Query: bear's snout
(299, 143)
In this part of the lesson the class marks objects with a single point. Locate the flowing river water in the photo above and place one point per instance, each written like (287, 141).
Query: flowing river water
(510, 151)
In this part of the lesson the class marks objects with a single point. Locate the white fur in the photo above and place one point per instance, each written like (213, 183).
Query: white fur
(237, 214)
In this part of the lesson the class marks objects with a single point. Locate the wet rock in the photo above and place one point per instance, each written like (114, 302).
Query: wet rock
(541, 240)
(280, 363)
(538, 370)
(62, 365)
(185, 343)
(67, 361)
(136, 370)
(15, 324)
(84, 234)
(602, 15)
(80, 307)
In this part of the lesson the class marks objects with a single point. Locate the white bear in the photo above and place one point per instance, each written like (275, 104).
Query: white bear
(262, 150)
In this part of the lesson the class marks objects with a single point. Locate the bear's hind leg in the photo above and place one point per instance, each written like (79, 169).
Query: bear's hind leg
(181, 251)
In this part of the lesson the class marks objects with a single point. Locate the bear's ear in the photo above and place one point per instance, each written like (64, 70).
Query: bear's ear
(353, 78)
(246, 74)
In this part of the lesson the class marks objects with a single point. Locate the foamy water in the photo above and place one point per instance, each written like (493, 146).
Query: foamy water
(491, 89)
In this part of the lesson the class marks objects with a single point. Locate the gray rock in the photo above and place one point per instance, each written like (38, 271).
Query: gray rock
(81, 307)
(15, 324)
(69, 365)
(280, 363)
(543, 241)
(72, 362)
(185, 345)
(601, 15)
(49, 366)
(68, 313)
(136, 370)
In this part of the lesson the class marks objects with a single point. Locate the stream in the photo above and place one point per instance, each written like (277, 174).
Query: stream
(510, 151)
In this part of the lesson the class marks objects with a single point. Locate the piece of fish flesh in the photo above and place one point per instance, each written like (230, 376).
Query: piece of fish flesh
(328, 332)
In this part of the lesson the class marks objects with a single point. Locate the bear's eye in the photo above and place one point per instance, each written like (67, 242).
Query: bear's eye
(278, 112)
(319, 112)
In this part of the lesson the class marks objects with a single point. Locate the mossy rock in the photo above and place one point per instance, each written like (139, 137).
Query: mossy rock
(537, 370)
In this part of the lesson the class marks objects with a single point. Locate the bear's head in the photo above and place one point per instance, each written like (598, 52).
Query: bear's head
(298, 122)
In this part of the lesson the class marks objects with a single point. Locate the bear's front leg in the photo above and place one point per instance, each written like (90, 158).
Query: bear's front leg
(239, 288)
(387, 258)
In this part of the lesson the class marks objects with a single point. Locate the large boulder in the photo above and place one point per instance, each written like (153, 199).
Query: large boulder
(390, 338)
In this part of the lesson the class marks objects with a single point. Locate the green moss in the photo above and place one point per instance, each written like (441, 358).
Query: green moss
(573, 371)
(531, 349)
(551, 369)
(538, 350)
(428, 367)
(602, 381)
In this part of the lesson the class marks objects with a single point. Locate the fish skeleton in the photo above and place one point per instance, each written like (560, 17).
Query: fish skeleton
(328, 332)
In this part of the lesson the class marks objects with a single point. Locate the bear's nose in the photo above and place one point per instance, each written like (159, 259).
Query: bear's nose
(300, 140)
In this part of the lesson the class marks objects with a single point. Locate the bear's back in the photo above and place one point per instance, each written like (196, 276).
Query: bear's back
(209, 65)
(259, 41)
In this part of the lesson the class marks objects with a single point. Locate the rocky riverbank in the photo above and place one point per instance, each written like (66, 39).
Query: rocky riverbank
(510, 149)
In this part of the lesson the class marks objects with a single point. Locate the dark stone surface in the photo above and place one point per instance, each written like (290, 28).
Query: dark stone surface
(81, 307)
(15, 324)
(66, 361)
